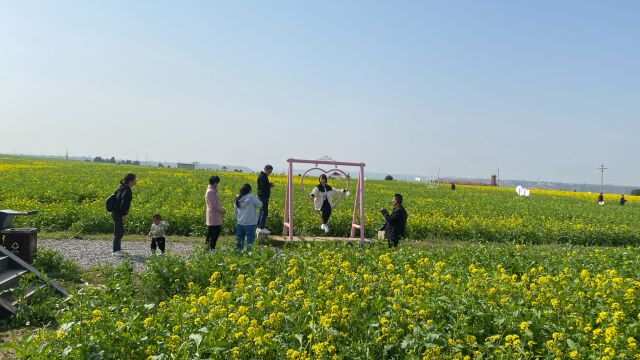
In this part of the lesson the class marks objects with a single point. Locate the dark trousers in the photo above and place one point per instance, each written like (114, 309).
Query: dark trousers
(325, 211)
(118, 231)
(158, 242)
(393, 242)
(264, 212)
(213, 233)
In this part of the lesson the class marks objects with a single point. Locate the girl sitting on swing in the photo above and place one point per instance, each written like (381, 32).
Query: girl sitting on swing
(324, 199)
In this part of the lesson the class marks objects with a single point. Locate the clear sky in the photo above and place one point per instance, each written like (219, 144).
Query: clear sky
(540, 89)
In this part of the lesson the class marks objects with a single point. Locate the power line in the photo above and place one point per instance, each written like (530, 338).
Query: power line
(602, 169)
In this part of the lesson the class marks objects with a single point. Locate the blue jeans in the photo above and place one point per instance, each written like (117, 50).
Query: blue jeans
(242, 231)
(264, 211)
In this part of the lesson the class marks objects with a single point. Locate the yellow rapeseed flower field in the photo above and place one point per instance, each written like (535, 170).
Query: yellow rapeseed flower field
(344, 302)
(69, 196)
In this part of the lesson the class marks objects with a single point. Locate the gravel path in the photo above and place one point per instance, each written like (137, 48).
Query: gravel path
(89, 253)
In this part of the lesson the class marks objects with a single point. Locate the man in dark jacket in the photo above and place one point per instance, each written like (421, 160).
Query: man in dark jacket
(622, 200)
(124, 196)
(264, 193)
(396, 222)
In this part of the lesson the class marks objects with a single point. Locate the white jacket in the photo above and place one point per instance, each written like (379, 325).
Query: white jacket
(246, 213)
(330, 194)
(158, 230)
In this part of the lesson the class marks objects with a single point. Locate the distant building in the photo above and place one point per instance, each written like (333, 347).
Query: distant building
(186, 166)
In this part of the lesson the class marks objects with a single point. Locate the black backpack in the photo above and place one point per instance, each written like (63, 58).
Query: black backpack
(111, 202)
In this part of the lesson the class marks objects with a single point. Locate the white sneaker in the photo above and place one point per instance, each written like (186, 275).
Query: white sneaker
(264, 231)
(118, 253)
(326, 229)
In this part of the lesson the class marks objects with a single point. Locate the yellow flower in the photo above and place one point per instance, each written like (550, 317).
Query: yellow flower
(243, 320)
(147, 322)
(601, 317)
(119, 324)
(325, 321)
(524, 326)
(573, 354)
(631, 343)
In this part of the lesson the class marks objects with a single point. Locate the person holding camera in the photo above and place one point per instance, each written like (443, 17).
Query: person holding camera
(395, 223)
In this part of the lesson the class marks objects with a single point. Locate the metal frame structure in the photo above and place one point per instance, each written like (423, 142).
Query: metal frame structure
(358, 205)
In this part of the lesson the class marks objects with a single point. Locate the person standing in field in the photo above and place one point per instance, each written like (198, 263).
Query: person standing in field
(264, 194)
(601, 199)
(157, 234)
(214, 212)
(245, 208)
(396, 222)
(123, 198)
(622, 200)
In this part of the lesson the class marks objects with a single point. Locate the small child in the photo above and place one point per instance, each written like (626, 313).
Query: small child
(158, 229)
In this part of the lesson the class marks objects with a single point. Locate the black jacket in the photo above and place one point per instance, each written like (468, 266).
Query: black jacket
(396, 223)
(264, 186)
(124, 195)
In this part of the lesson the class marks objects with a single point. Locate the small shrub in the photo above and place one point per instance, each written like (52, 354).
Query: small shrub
(54, 265)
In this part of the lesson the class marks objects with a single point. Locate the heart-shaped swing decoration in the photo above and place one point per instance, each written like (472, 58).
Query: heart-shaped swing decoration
(331, 173)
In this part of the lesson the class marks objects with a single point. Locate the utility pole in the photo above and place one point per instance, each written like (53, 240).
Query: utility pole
(66, 154)
(602, 169)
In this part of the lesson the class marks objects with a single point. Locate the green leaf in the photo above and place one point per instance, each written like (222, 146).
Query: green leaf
(197, 338)
(67, 351)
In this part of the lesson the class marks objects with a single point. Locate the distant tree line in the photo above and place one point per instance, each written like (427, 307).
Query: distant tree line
(112, 160)
(635, 192)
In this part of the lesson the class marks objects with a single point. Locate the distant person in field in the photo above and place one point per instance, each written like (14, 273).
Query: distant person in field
(453, 186)
(122, 206)
(245, 208)
(214, 212)
(622, 200)
(324, 198)
(264, 194)
(395, 223)
(157, 234)
(601, 199)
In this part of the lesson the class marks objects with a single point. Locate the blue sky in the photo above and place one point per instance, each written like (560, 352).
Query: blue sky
(543, 90)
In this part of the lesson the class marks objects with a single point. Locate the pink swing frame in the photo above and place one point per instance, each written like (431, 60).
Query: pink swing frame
(358, 205)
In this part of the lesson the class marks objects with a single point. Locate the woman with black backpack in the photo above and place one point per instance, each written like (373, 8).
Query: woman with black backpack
(119, 204)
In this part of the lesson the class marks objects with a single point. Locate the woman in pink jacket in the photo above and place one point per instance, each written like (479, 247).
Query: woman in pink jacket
(214, 212)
